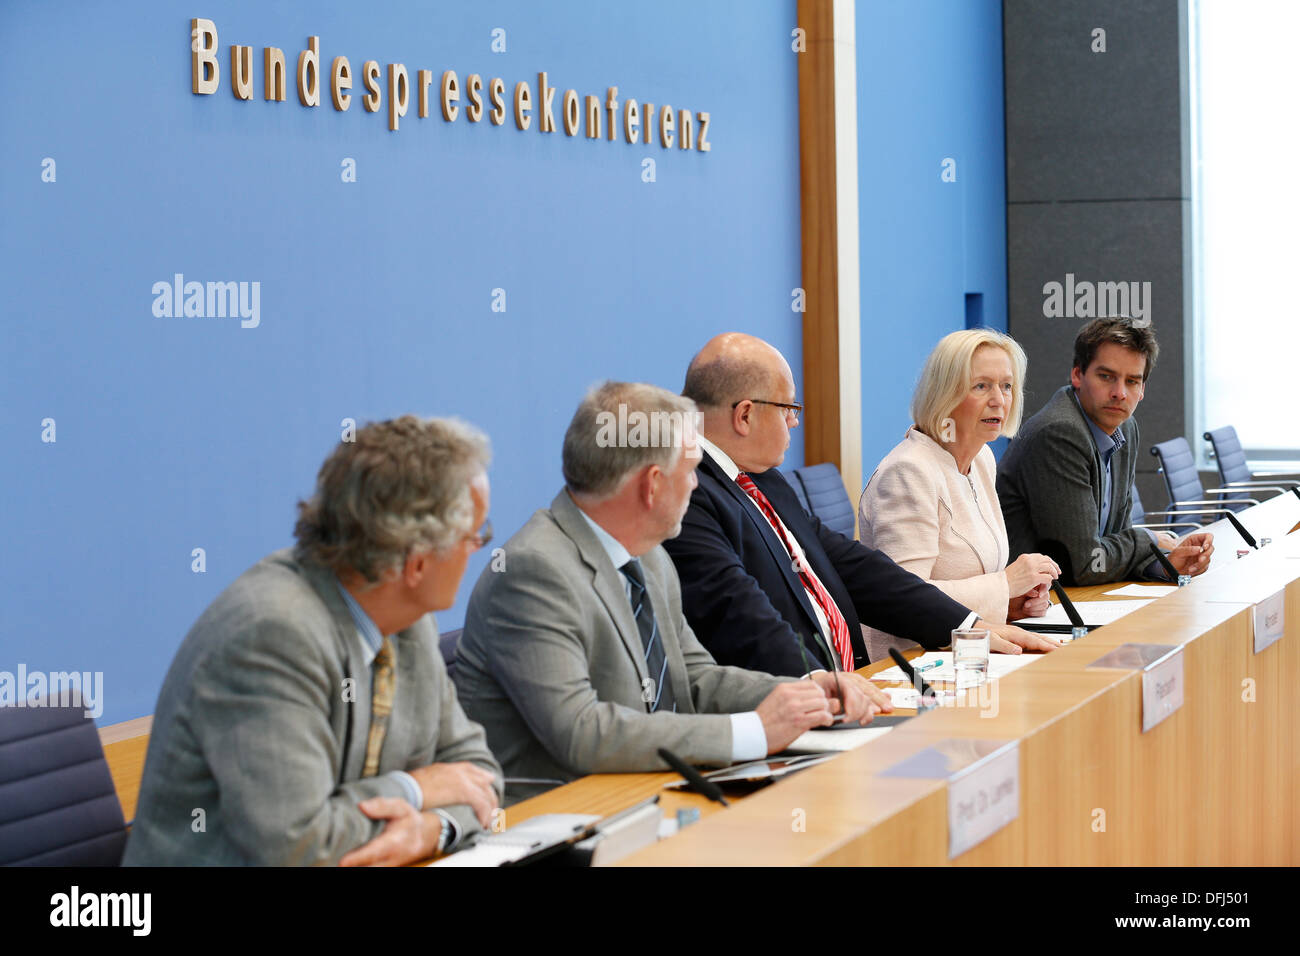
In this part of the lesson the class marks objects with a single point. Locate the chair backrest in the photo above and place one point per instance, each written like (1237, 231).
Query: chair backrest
(1228, 454)
(1178, 467)
(821, 492)
(58, 806)
(447, 643)
(1138, 514)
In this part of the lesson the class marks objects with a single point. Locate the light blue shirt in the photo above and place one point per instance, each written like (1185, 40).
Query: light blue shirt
(1107, 445)
(372, 640)
(748, 738)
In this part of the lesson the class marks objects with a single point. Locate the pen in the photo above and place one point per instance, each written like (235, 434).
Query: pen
(932, 664)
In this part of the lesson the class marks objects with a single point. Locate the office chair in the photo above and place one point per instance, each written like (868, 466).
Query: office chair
(1138, 518)
(1183, 482)
(820, 490)
(58, 805)
(1234, 470)
(447, 644)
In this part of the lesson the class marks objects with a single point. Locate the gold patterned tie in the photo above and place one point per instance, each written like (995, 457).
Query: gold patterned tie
(381, 705)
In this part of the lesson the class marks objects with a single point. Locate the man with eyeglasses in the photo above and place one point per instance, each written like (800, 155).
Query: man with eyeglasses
(308, 717)
(764, 584)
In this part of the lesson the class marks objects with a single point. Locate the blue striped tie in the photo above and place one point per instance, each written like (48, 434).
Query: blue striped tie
(655, 662)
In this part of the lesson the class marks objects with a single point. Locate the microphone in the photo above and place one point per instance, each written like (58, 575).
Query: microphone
(927, 693)
(1231, 516)
(1166, 564)
(841, 719)
(693, 777)
(1077, 628)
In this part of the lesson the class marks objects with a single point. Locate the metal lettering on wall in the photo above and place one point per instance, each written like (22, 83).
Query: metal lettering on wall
(598, 117)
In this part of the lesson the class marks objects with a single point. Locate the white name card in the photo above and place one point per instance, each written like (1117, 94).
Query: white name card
(1270, 620)
(982, 799)
(1162, 689)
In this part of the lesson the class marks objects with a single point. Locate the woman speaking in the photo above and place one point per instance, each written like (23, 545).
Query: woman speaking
(931, 505)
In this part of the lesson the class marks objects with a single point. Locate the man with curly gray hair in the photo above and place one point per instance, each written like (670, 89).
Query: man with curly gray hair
(308, 716)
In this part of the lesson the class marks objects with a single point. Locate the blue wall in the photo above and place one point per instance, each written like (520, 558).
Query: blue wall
(929, 88)
(180, 433)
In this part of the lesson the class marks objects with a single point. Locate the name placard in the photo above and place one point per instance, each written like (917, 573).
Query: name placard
(1162, 689)
(983, 798)
(1270, 620)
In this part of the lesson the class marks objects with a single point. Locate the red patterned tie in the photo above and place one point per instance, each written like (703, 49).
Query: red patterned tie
(839, 627)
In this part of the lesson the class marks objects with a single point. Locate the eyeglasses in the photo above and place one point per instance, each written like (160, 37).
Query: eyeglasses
(791, 408)
(482, 537)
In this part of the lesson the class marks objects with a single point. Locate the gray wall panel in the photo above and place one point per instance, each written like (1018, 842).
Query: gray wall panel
(1085, 125)
(1131, 242)
(1096, 187)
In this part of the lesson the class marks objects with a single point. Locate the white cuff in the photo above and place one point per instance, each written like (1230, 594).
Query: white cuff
(414, 795)
(748, 738)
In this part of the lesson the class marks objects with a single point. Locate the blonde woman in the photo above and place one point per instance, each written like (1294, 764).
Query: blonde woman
(932, 506)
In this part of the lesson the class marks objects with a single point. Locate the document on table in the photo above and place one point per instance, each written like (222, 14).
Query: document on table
(1143, 590)
(1094, 613)
(833, 741)
(937, 666)
(496, 849)
(910, 697)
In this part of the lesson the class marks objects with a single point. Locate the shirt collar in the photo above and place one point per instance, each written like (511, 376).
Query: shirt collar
(366, 628)
(617, 553)
(722, 459)
(1106, 444)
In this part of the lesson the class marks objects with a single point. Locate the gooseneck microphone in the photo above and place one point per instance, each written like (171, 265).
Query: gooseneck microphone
(693, 777)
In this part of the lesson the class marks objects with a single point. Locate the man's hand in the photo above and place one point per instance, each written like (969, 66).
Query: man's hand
(447, 784)
(1009, 639)
(792, 708)
(862, 699)
(1192, 556)
(408, 836)
(1033, 604)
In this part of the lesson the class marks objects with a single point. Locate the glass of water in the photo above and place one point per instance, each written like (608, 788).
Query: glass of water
(970, 656)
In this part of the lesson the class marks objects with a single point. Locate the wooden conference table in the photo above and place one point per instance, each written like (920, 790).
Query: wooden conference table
(1217, 782)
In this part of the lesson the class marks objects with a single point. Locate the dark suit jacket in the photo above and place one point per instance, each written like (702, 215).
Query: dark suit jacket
(1049, 483)
(747, 605)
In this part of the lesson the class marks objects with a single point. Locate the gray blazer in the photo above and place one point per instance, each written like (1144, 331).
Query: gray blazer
(1049, 483)
(551, 663)
(262, 725)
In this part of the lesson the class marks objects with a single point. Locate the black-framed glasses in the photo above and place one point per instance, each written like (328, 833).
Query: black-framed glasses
(794, 408)
(482, 537)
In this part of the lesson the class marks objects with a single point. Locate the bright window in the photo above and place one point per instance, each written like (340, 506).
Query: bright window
(1246, 210)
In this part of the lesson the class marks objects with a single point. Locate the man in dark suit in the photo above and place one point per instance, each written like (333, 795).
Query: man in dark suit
(765, 585)
(1066, 481)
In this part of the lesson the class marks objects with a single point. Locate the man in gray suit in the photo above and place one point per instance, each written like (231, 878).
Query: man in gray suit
(576, 657)
(308, 717)
(1066, 480)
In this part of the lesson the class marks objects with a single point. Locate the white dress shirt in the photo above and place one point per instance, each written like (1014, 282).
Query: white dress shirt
(748, 738)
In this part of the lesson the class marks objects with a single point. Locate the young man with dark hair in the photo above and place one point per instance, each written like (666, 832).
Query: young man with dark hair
(1066, 481)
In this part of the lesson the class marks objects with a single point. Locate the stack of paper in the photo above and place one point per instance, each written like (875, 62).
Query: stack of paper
(1094, 613)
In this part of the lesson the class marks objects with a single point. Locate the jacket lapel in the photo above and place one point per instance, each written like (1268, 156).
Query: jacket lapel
(357, 712)
(774, 544)
(606, 579)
